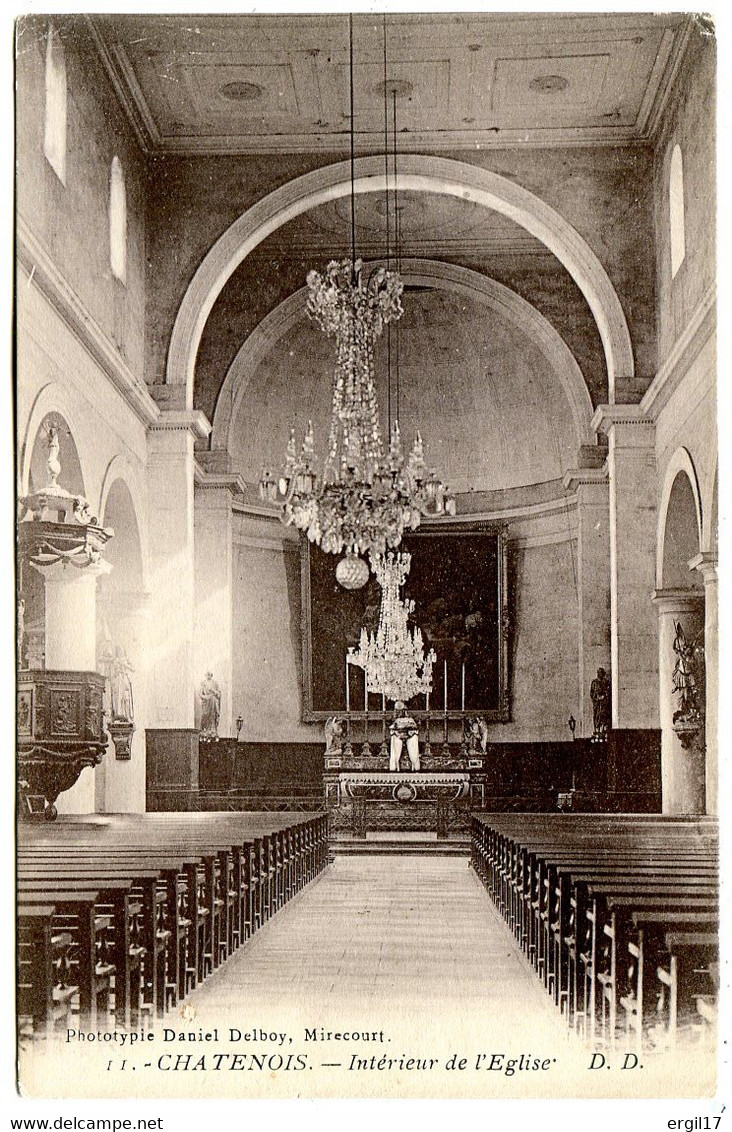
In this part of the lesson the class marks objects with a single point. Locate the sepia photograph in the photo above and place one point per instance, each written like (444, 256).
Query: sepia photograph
(366, 558)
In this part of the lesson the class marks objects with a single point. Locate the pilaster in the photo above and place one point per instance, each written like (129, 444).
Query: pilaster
(214, 565)
(632, 511)
(590, 485)
(171, 467)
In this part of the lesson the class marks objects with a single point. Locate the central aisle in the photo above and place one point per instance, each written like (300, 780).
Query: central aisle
(406, 939)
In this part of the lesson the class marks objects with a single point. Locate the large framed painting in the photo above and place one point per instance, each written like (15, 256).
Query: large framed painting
(457, 581)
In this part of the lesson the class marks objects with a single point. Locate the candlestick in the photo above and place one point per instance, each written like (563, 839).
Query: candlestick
(462, 689)
(445, 687)
(348, 691)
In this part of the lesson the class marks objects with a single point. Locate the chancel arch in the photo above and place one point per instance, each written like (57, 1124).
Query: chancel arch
(422, 174)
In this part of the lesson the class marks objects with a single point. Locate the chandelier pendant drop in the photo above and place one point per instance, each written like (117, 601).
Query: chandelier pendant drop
(394, 658)
(366, 497)
(368, 494)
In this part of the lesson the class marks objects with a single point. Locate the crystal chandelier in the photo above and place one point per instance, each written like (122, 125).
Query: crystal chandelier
(367, 495)
(394, 659)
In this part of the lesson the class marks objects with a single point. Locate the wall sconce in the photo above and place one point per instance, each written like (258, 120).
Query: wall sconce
(572, 725)
(239, 725)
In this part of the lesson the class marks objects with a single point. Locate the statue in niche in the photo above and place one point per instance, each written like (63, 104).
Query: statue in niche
(686, 678)
(600, 694)
(403, 730)
(333, 735)
(210, 707)
(476, 734)
(121, 686)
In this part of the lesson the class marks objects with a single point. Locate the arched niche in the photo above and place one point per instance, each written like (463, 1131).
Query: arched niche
(419, 173)
(497, 300)
(680, 526)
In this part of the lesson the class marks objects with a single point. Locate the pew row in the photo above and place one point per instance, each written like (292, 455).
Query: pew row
(618, 915)
(121, 916)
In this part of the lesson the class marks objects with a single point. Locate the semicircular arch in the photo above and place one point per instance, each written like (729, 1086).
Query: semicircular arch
(419, 173)
(680, 463)
(51, 398)
(419, 272)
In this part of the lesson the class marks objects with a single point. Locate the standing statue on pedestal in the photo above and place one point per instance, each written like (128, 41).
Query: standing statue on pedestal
(685, 678)
(403, 729)
(210, 707)
(475, 733)
(600, 694)
(333, 735)
(121, 686)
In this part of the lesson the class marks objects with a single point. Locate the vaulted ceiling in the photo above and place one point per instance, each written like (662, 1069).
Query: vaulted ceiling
(280, 83)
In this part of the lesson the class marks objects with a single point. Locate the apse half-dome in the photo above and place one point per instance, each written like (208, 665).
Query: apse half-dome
(493, 411)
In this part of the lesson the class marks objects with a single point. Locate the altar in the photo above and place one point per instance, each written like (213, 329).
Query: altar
(396, 800)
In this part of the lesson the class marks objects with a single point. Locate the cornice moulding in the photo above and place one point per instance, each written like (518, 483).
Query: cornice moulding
(36, 260)
(183, 420)
(607, 416)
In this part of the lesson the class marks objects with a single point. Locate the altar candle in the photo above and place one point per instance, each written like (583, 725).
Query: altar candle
(445, 687)
(365, 691)
(462, 689)
(427, 704)
(348, 691)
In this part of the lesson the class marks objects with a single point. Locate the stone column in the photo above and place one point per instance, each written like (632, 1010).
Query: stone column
(71, 646)
(172, 693)
(633, 629)
(706, 564)
(214, 566)
(121, 783)
(593, 581)
(682, 770)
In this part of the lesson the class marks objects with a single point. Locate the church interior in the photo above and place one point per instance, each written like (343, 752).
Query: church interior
(333, 332)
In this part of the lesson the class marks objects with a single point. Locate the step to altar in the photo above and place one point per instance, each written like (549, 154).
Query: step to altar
(401, 842)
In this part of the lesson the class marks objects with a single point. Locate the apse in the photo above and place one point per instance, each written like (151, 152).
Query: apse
(491, 412)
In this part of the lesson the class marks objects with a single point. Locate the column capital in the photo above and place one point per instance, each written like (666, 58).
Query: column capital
(706, 564)
(671, 600)
(66, 572)
(231, 482)
(183, 420)
(581, 477)
(629, 421)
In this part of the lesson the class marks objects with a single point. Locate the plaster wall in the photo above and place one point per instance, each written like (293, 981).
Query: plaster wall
(605, 193)
(71, 220)
(544, 643)
(689, 123)
(689, 420)
(56, 374)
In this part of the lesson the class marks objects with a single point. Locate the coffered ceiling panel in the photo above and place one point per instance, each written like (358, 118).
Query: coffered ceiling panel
(250, 84)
